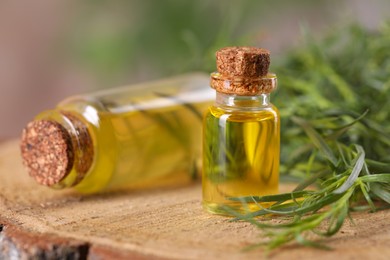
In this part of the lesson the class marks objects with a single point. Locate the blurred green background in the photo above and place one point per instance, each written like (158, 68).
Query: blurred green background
(52, 49)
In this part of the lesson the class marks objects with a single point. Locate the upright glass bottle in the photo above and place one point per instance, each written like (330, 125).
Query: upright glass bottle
(241, 131)
(132, 137)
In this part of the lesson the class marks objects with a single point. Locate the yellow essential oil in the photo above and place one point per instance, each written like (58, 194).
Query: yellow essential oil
(141, 137)
(241, 144)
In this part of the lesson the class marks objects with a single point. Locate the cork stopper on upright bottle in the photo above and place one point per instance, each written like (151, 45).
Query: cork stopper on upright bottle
(49, 151)
(247, 62)
(243, 71)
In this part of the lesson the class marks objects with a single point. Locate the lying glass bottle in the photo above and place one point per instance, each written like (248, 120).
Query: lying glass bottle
(134, 137)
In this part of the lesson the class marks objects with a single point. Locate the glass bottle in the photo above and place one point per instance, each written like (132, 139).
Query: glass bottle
(241, 142)
(134, 137)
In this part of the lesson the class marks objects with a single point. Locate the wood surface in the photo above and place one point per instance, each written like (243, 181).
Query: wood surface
(40, 223)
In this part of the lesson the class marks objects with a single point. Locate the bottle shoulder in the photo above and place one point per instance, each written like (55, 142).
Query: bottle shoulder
(263, 113)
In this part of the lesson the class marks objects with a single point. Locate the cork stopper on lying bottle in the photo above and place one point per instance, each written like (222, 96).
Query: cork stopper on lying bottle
(243, 71)
(51, 151)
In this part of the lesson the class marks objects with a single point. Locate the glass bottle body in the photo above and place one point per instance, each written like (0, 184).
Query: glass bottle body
(143, 136)
(240, 151)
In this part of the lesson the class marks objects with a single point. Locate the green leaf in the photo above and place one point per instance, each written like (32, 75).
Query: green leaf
(381, 191)
(273, 198)
(380, 178)
(317, 140)
(355, 171)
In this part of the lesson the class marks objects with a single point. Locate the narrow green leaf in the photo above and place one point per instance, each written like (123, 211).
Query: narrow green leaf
(273, 198)
(339, 220)
(317, 140)
(367, 196)
(355, 171)
(380, 178)
(380, 191)
(378, 166)
(288, 209)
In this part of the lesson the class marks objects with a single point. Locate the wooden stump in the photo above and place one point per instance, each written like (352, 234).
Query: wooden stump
(37, 222)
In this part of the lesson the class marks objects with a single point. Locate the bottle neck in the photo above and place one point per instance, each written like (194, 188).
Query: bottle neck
(236, 102)
(240, 93)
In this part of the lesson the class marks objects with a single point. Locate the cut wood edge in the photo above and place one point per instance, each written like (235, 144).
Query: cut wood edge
(17, 243)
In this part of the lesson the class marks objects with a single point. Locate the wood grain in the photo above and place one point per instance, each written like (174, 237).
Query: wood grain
(161, 224)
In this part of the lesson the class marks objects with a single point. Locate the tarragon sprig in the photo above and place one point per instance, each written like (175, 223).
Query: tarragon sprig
(321, 211)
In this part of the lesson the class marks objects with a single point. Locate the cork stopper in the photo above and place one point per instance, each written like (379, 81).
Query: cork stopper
(47, 151)
(50, 151)
(247, 62)
(243, 71)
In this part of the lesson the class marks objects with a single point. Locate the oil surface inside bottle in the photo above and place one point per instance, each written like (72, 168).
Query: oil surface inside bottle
(241, 158)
